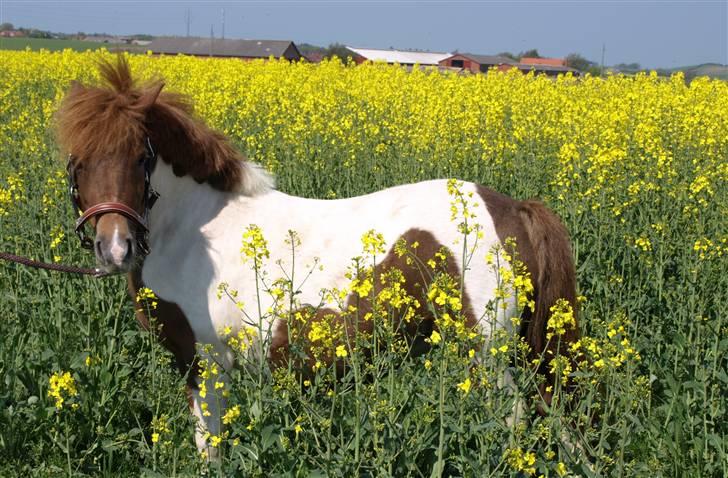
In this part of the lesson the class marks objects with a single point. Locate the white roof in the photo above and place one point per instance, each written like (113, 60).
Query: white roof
(401, 56)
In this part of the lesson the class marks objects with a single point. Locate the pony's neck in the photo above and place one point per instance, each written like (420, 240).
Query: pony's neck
(185, 205)
(182, 203)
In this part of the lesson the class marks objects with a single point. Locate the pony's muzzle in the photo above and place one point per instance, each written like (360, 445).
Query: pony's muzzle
(115, 250)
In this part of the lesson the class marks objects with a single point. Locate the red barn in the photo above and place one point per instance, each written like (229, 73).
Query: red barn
(477, 63)
(543, 61)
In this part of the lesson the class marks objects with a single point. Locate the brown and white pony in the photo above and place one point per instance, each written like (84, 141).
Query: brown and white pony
(208, 194)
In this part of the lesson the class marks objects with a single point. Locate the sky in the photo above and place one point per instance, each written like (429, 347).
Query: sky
(653, 33)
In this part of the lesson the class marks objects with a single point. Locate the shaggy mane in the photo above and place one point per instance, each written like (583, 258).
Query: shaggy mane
(114, 118)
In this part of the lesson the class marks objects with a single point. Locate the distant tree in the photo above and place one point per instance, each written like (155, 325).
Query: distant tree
(533, 53)
(338, 50)
(630, 67)
(39, 34)
(508, 54)
(6, 26)
(576, 61)
(306, 48)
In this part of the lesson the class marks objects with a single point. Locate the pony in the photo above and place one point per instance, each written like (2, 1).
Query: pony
(168, 198)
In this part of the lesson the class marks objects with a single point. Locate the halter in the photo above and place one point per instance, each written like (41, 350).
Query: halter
(142, 221)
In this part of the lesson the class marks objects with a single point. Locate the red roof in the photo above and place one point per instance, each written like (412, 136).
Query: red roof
(544, 61)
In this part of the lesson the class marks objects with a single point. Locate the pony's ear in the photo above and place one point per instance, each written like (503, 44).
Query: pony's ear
(150, 96)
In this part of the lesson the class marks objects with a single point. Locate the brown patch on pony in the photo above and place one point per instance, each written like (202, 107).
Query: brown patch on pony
(191, 147)
(544, 247)
(173, 329)
(280, 348)
(114, 119)
(417, 281)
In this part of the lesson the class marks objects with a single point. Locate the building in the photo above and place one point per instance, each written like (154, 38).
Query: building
(546, 66)
(482, 63)
(315, 56)
(400, 57)
(11, 33)
(543, 61)
(225, 48)
(477, 63)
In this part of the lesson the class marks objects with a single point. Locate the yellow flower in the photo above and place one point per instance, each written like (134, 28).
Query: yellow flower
(160, 426)
(435, 337)
(215, 440)
(255, 246)
(561, 469)
(562, 318)
(231, 415)
(61, 386)
(146, 296)
(643, 243)
(362, 287)
(465, 385)
(521, 461)
(341, 351)
(373, 242)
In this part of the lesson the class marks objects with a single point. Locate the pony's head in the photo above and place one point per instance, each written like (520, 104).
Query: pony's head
(112, 133)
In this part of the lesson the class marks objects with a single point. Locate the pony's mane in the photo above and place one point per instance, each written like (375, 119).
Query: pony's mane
(116, 116)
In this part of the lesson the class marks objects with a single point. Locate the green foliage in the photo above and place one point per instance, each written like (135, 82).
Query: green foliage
(532, 53)
(337, 50)
(52, 44)
(648, 275)
(575, 60)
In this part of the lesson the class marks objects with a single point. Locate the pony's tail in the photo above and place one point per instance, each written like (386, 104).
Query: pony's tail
(554, 278)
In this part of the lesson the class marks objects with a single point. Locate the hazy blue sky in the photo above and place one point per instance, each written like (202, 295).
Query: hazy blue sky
(653, 33)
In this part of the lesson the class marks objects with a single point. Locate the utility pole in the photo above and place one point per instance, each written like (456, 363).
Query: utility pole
(604, 49)
(212, 37)
(223, 23)
(188, 23)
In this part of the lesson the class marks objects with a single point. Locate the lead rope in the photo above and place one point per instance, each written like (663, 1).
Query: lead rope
(97, 273)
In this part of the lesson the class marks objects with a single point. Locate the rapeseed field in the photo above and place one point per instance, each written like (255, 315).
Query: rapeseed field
(636, 167)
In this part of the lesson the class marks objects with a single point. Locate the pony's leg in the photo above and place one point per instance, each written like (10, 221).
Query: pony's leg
(517, 412)
(208, 411)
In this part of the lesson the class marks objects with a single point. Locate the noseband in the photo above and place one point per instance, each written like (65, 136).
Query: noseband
(141, 221)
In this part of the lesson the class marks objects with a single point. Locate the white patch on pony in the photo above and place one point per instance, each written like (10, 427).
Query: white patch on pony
(256, 180)
(118, 248)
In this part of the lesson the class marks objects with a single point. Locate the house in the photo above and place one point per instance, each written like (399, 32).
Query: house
(546, 66)
(543, 61)
(226, 48)
(103, 39)
(11, 33)
(315, 56)
(477, 63)
(483, 63)
(400, 57)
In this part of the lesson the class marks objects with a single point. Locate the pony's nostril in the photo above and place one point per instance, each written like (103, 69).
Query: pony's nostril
(129, 250)
(98, 249)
